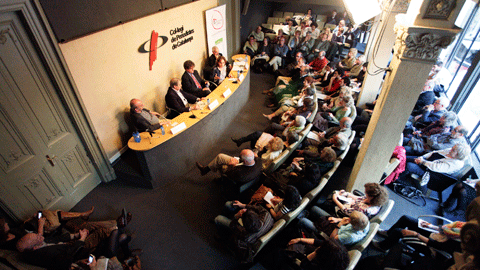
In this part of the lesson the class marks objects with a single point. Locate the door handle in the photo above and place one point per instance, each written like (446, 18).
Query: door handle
(51, 159)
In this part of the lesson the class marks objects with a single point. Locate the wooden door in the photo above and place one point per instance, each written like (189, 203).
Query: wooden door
(43, 163)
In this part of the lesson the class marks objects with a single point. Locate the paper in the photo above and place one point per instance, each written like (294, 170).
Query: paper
(343, 198)
(227, 93)
(313, 136)
(321, 96)
(241, 77)
(268, 198)
(420, 225)
(178, 128)
(213, 104)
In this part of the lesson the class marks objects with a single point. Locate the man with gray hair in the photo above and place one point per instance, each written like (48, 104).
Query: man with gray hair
(438, 141)
(430, 114)
(142, 118)
(244, 169)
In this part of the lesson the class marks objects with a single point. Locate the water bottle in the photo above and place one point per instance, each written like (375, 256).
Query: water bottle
(136, 136)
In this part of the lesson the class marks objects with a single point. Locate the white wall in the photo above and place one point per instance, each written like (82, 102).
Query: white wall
(109, 71)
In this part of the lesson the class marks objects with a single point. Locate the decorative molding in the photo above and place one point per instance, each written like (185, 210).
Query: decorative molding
(439, 9)
(418, 45)
(3, 36)
(401, 6)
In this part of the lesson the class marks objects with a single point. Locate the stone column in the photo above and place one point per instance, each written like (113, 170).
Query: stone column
(416, 50)
(372, 83)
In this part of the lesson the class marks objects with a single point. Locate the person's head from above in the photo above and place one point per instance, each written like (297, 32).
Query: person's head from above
(346, 81)
(328, 67)
(276, 144)
(459, 151)
(312, 171)
(247, 157)
(252, 40)
(215, 51)
(340, 141)
(308, 36)
(298, 56)
(328, 154)
(345, 91)
(292, 197)
(189, 66)
(314, 26)
(251, 221)
(364, 66)
(360, 60)
(327, 30)
(221, 61)
(441, 104)
(309, 12)
(346, 122)
(309, 91)
(323, 36)
(280, 32)
(308, 105)
(358, 220)
(352, 53)
(334, 13)
(290, 22)
(341, 24)
(340, 31)
(339, 72)
(300, 120)
(266, 40)
(297, 33)
(136, 105)
(459, 131)
(301, 61)
(282, 41)
(176, 84)
(303, 24)
(321, 55)
(348, 101)
(259, 29)
(4, 229)
(470, 241)
(448, 119)
(30, 241)
(330, 255)
(292, 137)
(375, 194)
(303, 69)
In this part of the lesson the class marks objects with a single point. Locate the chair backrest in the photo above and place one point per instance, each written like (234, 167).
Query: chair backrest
(277, 27)
(289, 14)
(278, 14)
(331, 26)
(353, 115)
(321, 18)
(355, 256)
(267, 25)
(272, 20)
(383, 213)
(362, 245)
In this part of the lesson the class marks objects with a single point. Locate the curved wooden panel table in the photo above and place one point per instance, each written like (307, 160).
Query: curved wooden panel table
(163, 158)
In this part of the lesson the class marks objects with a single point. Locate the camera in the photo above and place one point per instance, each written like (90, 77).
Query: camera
(39, 214)
(90, 259)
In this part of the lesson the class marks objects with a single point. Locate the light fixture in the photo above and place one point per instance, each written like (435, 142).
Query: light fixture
(360, 11)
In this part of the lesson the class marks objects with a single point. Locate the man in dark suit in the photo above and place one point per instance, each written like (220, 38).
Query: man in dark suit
(142, 118)
(179, 100)
(191, 81)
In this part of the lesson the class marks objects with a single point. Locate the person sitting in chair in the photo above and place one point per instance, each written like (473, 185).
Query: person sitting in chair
(142, 118)
(192, 82)
(178, 100)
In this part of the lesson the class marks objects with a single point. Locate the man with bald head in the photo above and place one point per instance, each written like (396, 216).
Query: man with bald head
(52, 252)
(142, 118)
(241, 170)
(319, 63)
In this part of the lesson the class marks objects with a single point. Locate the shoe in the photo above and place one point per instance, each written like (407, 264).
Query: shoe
(267, 116)
(271, 105)
(122, 220)
(237, 141)
(383, 233)
(203, 169)
(376, 244)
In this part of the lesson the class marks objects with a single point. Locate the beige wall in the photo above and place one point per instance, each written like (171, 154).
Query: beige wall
(109, 71)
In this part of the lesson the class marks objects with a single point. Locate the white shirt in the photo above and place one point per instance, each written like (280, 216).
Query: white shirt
(184, 100)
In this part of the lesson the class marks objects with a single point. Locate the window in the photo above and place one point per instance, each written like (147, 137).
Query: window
(461, 73)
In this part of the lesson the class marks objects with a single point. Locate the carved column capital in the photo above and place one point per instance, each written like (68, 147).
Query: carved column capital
(421, 43)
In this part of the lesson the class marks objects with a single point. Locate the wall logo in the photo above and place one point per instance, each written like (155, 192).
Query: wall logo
(178, 35)
(217, 20)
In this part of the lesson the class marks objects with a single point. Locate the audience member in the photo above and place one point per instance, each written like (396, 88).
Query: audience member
(349, 60)
(264, 53)
(280, 51)
(240, 170)
(319, 63)
(315, 31)
(306, 44)
(192, 82)
(293, 43)
(419, 146)
(258, 34)
(332, 19)
(251, 46)
(431, 113)
(178, 100)
(323, 45)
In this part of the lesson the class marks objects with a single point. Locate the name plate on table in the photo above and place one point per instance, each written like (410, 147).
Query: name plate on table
(178, 128)
(227, 93)
(213, 104)
(241, 77)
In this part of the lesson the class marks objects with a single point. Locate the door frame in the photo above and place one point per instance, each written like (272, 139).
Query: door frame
(47, 47)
